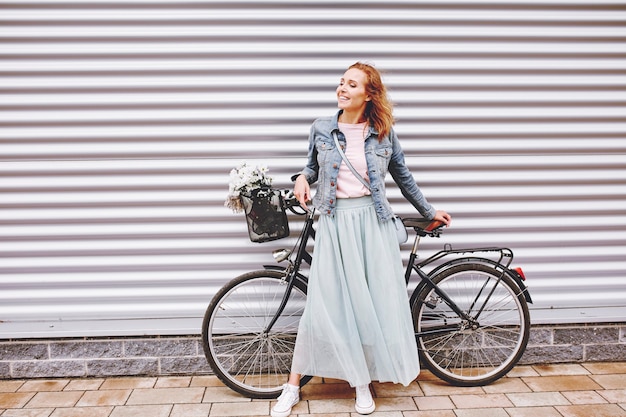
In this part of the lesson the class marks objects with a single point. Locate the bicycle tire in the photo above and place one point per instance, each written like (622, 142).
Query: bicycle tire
(241, 355)
(464, 353)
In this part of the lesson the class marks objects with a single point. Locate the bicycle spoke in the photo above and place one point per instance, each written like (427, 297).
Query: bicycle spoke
(252, 360)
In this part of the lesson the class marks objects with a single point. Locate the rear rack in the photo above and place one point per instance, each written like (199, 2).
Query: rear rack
(505, 256)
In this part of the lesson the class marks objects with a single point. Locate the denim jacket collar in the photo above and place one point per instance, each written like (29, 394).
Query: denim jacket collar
(335, 125)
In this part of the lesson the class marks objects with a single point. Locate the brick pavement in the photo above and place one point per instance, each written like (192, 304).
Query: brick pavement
(565, 390)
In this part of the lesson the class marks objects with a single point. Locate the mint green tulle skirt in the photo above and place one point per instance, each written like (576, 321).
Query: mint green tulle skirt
(357, 322)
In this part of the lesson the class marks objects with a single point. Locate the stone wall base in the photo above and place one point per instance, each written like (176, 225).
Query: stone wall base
(183, 355)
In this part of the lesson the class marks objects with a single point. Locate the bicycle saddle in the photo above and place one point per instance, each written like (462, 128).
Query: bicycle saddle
(424, 227)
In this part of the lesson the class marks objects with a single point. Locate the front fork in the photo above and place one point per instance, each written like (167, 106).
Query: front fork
(289, 279)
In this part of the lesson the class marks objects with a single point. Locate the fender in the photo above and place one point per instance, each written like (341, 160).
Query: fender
(513, 274)
(299, 276)
(274, 267)
(519, 279)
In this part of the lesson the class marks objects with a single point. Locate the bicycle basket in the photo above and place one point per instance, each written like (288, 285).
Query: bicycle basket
(265, 215)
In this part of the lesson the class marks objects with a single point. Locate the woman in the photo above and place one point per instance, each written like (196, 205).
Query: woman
(357, 323)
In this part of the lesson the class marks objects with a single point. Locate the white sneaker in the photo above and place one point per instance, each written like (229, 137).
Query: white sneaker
(289, 397)
(364, 401)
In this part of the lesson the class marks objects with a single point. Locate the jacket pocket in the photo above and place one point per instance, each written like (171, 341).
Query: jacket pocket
(324, 150)
(383, 156)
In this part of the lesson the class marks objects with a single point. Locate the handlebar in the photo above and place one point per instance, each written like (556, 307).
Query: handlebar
(292, 203)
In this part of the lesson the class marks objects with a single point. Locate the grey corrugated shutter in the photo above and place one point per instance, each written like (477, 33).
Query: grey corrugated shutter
(120, 121)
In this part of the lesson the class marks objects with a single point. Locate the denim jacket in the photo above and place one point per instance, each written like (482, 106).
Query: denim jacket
(381, 157)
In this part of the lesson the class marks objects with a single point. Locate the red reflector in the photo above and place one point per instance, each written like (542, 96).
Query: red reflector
(521, 273)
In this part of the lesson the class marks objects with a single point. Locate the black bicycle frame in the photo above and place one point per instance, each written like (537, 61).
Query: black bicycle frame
(426, 279)
(505, 253)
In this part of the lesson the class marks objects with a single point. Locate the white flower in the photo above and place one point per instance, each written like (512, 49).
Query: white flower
(243, 179)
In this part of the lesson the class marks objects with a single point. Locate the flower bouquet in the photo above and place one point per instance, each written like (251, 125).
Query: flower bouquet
(250, 191)
(243, 180)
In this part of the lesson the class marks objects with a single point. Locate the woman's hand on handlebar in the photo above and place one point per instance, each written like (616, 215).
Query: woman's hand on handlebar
(302, 191)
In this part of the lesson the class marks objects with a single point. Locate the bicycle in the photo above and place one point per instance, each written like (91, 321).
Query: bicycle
(470, 314)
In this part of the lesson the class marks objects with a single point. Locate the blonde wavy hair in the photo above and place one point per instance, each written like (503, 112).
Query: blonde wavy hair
(379, 110)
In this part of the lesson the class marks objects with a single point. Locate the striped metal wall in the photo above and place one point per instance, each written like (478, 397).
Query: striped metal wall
(120, 121)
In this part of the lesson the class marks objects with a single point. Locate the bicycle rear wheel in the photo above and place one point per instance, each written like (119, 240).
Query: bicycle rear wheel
(472, 352)
(242, 354)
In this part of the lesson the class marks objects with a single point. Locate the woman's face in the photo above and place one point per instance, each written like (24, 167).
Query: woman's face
(351, 94)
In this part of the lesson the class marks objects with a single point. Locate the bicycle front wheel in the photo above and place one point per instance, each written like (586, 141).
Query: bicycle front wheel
(242, 352)
(476, 351)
